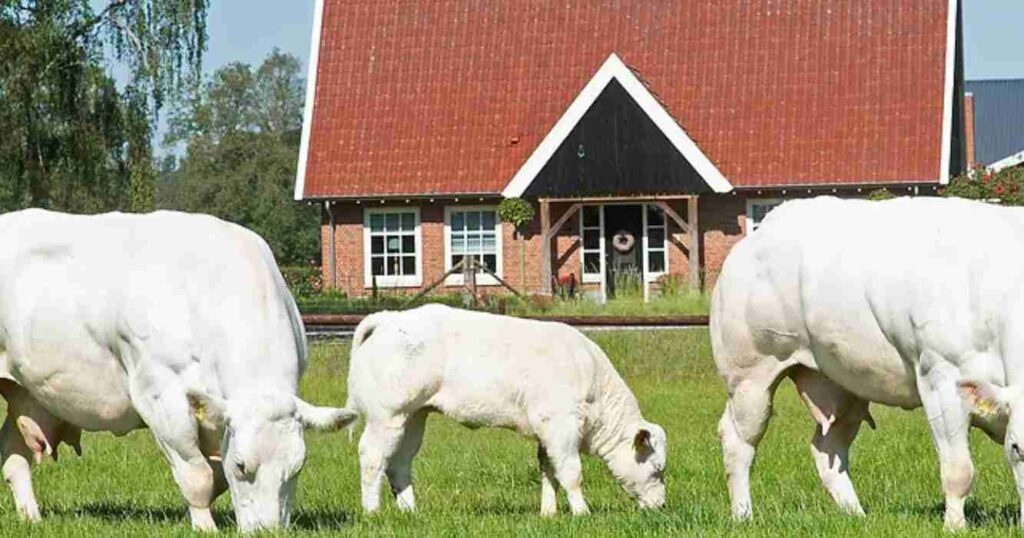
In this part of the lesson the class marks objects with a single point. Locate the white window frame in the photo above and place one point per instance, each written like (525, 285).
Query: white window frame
(648, 274)
(585, 277)
(749, 224)
(397, 281)
(482, 279)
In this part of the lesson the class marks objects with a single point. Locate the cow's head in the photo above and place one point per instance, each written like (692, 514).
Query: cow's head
(639, 464)
(262, 449)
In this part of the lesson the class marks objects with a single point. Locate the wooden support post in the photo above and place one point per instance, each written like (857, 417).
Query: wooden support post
(545, 245)
(694, 233)
(469, 276)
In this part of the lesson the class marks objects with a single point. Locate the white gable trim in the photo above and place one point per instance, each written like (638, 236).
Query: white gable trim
(947, 105)
(1002, 164)
(307, 114)
(614, 68)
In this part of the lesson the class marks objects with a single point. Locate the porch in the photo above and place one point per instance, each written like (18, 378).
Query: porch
(620, 236)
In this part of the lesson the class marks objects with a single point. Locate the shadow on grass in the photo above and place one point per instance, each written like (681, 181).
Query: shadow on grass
(316, 519)
(977, 516)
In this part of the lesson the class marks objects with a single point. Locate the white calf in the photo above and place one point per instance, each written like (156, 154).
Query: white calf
(544, 380)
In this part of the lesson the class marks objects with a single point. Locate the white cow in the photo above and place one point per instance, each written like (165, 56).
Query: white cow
(116, 322)
(544, 380)
(908, 302)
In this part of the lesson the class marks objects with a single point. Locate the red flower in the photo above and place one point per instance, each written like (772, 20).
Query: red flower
(1000, 189)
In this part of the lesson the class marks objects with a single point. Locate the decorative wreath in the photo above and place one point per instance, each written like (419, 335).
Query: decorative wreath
(623, 241)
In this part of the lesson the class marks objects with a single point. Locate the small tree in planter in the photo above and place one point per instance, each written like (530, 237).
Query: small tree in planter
(519, 213)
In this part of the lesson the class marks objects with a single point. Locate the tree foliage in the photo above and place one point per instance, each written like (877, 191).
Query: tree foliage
(73, 140)
(1005, 187)
(241, 130)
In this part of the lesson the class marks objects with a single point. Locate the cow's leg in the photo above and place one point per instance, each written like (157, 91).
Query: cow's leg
(838, 415)
(548, 484)
(562, 444)
(399, 468)
(379, 442)
(740, 429)
(949, 420)
(161, 402)
(17, 469)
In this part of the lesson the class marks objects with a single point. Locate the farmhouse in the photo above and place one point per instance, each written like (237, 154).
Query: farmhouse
(648, 136)
(994, 110)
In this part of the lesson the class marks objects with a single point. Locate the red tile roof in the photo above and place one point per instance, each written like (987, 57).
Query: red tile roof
(452, 96)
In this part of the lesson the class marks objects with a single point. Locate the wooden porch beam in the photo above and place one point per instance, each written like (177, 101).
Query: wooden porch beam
(637, 199)
(693, 256)
(547, 232)
(545, 250)
(683, 225)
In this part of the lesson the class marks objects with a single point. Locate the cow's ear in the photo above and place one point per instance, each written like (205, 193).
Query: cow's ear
(210, 411)
(642, 440)
(984, 398)
(323, 418)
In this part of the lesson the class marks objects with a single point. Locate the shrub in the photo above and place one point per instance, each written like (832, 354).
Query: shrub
(878, 195)
(303, 281)
(1005, 187)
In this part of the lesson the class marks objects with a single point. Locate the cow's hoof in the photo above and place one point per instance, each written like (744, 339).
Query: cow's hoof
(29, 514)
(954, 524)
(202, 520)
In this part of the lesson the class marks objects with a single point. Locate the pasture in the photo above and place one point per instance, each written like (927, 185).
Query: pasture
(486, 481)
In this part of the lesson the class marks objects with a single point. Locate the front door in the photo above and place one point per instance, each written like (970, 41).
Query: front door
(623, 229)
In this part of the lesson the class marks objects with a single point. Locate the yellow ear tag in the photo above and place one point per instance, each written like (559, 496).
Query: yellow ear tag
(986, 407)
(200, 413)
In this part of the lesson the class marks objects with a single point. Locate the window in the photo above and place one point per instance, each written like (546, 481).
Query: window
(476, 231)
(391, 239)
(591, 217)
(657, 255)
(758, 209)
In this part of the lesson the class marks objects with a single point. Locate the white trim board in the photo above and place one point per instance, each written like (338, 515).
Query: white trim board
(307, 114)
(614, 68)
(1002, 164)
(947, 104)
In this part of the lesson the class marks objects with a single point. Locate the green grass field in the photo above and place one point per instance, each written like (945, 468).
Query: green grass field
(485, 482)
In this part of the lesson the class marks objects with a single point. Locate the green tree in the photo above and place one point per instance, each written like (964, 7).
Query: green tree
(241, 130)
(71, 139)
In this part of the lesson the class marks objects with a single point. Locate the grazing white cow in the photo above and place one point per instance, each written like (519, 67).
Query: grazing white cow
(116, 322)
(907, 302)
(544, 380)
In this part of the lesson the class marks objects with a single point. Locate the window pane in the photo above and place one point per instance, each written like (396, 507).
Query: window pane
(591, 240)
(408, 222)
(489, 219)
(592, 262)
(456, 260)
(491, 261)
(472, 243)
(592, 215)
(760, 210)
(409, 244)
(376, 222)
(656, 261)
(655, 216)
(408, 265)
(391, 221)
(393, 243)
(377, 245)
(458, 243)
(487, 243)
(377, 266)
(656, 237)
(458, 220)
(472, 220)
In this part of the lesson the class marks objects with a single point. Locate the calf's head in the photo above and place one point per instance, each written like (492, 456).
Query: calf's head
(639, 464)
(262, 449)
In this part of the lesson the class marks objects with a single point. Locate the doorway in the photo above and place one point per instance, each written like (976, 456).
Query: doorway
(623, 237)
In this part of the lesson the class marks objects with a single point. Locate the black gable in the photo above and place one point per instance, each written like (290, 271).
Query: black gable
(615, 150)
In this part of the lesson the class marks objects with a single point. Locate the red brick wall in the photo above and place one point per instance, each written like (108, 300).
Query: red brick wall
(721, 224)
(969, 127)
